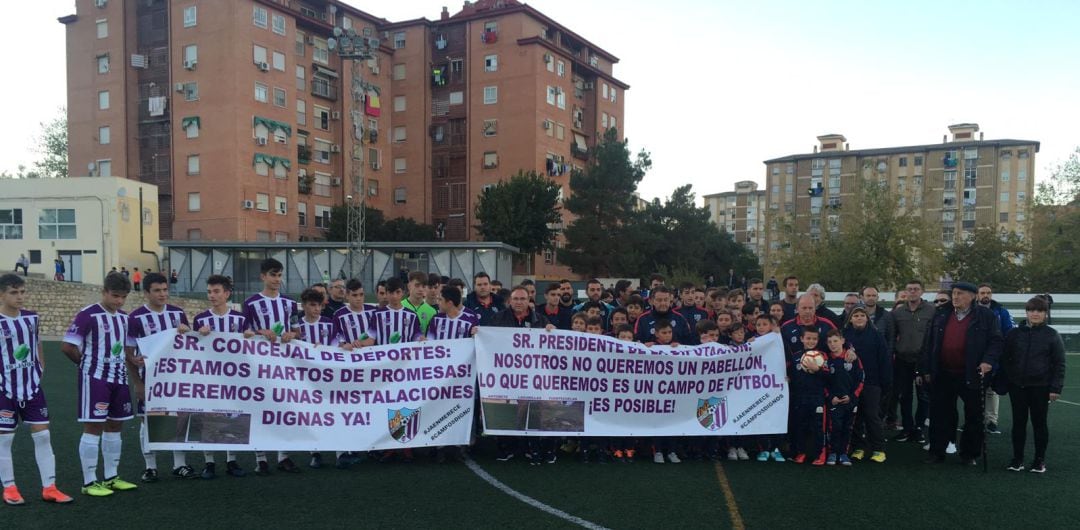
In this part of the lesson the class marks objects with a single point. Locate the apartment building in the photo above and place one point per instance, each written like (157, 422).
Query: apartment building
(963, 182)
(741, 213)
(253, 128)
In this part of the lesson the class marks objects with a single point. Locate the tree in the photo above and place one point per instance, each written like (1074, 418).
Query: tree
(602, 197)
(21, 173)
(677, 236)
(989, 256)
(52, 145)
(1054, 262)
(521, 211)
(876, 243)
(376, 227)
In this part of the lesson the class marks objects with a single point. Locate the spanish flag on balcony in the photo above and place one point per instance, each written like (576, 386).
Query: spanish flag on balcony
(371, 104)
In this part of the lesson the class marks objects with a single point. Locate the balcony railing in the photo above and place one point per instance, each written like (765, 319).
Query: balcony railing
(304, 185)
(578, 152)
(323, 88)
(303, 154)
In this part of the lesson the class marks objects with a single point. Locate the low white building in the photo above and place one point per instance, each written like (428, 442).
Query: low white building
(92, 224)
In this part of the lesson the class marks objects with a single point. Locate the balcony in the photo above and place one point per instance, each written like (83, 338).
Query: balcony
(581, 153)
(303, 154)
(324, 88)
(304, 185)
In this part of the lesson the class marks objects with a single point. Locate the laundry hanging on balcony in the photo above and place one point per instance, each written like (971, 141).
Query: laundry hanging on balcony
(157, 105)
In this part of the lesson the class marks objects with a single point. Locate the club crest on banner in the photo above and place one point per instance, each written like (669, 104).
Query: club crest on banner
(712, 412)
(403, 423)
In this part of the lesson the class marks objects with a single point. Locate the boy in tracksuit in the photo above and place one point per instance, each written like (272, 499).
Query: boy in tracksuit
(807, 401)
(845, 385)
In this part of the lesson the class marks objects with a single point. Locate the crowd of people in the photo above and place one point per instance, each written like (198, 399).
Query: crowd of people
(852, 376)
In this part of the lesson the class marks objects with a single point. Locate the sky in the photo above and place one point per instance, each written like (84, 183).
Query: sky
(717, 87)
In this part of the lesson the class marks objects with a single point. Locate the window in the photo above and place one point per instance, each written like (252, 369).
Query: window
(971, 153)
(560, 98)
(193, 164)
(551, 95)
(603, 120)
(322, 118)
(281, 205)
(399, 134)
(259, 17)
(613, 94)
(373, 187)
(301, 112)
(1021, 197)
(191, 91)
(399, 103)
(301, 212)
(398, 72)
(1021, 174)
(194, 202)
(970, 175)
(262, 202)
(258, 54)
(903, 161)
(491, 95)
(102, 28)
(612, 123)
(399, 40)
(373, 157)
(1004, 196)
(918, 161)
(299, 46)
(262, 168)
(103, 64)
(948, 216)
(191, 54)
(491, 63)
(457, 98)
(279, 61)
(261, 92)
(278, 24)
(491, 160)
(948, 234)
(322, 184)
(320, 53)
(11, 224)
(603, 90)
(56, 223)
(491, 127)
(194, 234)
(1020, 216)
(1003, 217)
(321, 151)
(281, 237)
(560, 132)
(301, 75)
(322, 216)
(950, 180)
(262, 235)
(192, 129)
(399, 195)
(189, 16)
(103, 100)
(1022, 153)
(1005, 175)
(560, 69)
(279, 97)
(399, 165)
(280, 171)
(103, 135)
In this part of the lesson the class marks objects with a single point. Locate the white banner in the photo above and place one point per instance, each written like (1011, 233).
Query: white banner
(563, 383)
(223, 391)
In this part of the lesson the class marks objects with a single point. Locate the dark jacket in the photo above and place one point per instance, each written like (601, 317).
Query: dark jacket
(911, 327)
(806, 387)
(1004, 317)
(883, 321)
(561, 319)
(984, 343)
(506, 319)
(485, 312)
(645, 327)
(791, 332)
(845, 379)
(826, 313)
(1034, 356)
(870, 347)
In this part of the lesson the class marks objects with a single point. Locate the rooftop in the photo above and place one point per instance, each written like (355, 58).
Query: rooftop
(906, 149)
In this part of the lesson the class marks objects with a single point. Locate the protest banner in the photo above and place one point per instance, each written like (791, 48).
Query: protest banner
(563, 383)
(223, 391)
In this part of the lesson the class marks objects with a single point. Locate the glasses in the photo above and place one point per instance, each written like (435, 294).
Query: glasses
(940, 301)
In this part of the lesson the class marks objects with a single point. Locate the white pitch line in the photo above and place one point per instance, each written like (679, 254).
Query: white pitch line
(1068, 402)
(499, 485)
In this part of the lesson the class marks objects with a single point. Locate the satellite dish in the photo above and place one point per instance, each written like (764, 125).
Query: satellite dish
(121, 192)
(91, 166)
(350, 32)
(337, 31)
(331, 43)
(333, 9)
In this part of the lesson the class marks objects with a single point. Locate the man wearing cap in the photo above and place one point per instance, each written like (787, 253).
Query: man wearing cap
(963, 342)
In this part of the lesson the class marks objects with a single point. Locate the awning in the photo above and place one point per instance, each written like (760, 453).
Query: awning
(325, 71)
(265, 159)
(187, 121)
(579, 140)
(272, 124)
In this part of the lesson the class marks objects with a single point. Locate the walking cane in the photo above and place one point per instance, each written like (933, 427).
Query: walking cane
(982, 404)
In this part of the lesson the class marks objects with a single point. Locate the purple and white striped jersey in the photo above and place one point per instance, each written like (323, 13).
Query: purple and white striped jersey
(100, 336)
(278, 314)
(232, 321)
(395, 325)
(144, 322)
(443, 327)
(323, 332)
(354, 324)
(20, 375)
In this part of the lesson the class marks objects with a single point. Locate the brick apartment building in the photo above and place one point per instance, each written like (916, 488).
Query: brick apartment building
(959, 184)
(241, 113)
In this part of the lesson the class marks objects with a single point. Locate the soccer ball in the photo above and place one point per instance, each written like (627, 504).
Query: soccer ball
(812, 361)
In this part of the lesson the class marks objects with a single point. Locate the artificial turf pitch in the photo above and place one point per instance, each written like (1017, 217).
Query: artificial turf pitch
(903, 492)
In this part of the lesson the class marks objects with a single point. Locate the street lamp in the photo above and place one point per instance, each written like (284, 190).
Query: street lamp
(355, 48)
